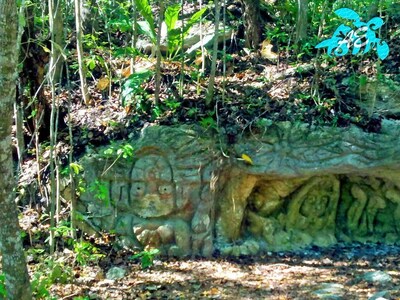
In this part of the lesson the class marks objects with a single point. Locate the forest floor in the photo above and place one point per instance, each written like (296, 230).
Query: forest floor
(357, 272)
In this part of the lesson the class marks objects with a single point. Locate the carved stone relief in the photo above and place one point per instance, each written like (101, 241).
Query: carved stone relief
(369, 210)
(306, 187)
(153, 203)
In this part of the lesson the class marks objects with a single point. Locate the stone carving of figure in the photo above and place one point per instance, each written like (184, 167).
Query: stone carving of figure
(153, 207)
(370, 210)
(312, 211)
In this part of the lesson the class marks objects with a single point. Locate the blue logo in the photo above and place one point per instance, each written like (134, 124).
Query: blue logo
(363, 36)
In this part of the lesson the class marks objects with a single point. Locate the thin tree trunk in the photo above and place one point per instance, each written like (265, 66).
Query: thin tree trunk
(182, 73)
(13, 258)
(158, 53)
(79, 47)
(301, 25)
(57, 38)
(70, 160)
(134, 35)
(55, 53)
(203, 53)
(252, 23)
(18, 106)
(210, 90)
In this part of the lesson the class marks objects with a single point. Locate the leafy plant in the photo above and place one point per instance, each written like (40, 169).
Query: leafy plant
(208, 122)
(101, 191)
(85, 252)
(147, 27)
(172, 104)
(40, 286)
(132, 88)
(49, 272)
(175, 35)
(124, 150)
(3, 291)
(146, 257)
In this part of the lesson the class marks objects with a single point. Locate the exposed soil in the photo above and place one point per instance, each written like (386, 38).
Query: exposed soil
(275, 276)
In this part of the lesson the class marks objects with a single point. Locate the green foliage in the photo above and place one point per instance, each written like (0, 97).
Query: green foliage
(85, 252)
(132, 91)
(40, 286)
(146, 257)
(148, 26)
(175, 35)
(208, 122)
(74, 167)
(3, 291)
(49, 272)
(172, 104)
(101, 191)
(120, 150)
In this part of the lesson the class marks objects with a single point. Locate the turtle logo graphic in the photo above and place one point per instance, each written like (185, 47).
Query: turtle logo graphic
(363, 36)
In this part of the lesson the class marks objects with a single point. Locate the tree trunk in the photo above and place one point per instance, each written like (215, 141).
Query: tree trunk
(211, 81)
(30, 96)
(301, 26)
(13, 260)
(57, 38)
(252, 23)
(79, 47)
(158, 53)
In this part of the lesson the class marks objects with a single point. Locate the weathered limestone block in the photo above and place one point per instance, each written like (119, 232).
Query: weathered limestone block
(150, 202)
(307, 186)
(285, 150)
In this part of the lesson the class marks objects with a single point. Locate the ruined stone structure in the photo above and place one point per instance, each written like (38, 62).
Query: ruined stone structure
(187, 192)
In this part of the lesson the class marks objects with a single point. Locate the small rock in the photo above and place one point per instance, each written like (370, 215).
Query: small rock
(383, 295)
(115, 273)
(377, 277)
(331, 291)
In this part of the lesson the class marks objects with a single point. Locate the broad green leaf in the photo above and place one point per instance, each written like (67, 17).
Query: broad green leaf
(195, 17)
(174, 39)
(175, 34)
(133, 83)
(171, 16)
(76, 168)
(144, 8)
(147, 30)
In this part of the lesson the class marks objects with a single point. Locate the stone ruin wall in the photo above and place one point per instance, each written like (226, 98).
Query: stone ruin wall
(186, 192)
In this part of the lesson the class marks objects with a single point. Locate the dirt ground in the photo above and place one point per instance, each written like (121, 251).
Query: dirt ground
(335, 273)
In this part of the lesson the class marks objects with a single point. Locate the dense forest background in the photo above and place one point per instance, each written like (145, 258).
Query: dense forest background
(93, 72)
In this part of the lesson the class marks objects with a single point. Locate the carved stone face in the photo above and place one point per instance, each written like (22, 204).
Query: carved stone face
(152, 192)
